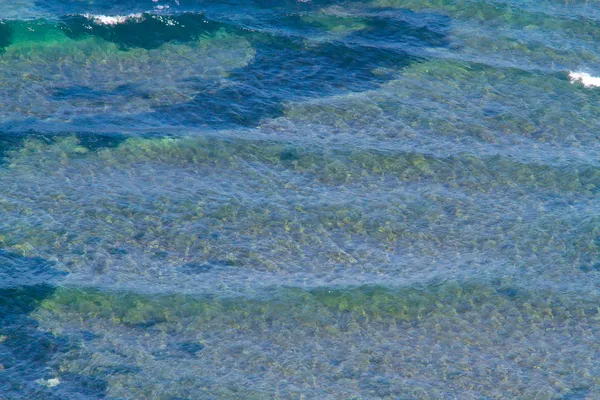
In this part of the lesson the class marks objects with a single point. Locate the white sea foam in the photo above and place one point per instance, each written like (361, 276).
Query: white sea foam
(586, 79)
(112, 19)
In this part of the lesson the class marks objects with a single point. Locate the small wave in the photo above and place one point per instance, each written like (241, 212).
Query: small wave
(584, 78)
(112, 20)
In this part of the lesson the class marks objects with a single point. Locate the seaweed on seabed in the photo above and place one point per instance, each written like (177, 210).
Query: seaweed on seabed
(27, 353)
(143, 80)
(350, 336)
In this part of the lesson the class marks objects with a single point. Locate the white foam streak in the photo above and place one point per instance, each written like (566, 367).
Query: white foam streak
(584, 78)
(111, 20)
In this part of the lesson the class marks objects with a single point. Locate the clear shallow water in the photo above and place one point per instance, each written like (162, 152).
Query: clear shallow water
(387, 199)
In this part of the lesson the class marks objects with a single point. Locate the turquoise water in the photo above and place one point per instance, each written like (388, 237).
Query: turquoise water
(387, 199)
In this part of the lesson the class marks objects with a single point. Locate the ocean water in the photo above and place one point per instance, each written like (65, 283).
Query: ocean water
(299, 199)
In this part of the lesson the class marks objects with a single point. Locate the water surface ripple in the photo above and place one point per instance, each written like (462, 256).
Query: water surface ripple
(257, 199)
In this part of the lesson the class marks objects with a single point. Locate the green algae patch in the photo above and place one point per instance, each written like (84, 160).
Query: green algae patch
(149, 207)
(344, 166)
(499, 105)
(328, 341)
(55, 76)
(371, 301)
